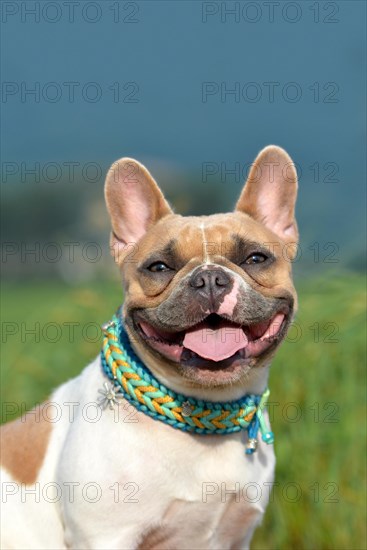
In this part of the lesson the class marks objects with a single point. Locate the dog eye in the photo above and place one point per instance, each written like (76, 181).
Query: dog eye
(158, 267)
(257, 258)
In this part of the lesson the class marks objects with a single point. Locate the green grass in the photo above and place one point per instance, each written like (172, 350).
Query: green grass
(321, 454)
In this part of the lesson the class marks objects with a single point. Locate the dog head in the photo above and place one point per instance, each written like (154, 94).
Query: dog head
(207, 299)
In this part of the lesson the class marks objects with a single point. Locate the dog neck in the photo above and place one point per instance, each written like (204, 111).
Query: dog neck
(133, 381)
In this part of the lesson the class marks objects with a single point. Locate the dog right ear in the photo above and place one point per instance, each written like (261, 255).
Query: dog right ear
(269, 195)
(134, 202)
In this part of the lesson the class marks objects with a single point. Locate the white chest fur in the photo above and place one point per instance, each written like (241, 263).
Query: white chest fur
(170, 489)
(126, 481)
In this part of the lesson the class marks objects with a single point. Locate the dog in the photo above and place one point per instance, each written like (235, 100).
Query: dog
(207, 302)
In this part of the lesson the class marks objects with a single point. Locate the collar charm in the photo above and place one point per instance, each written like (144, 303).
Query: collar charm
(109, 396)
(134, 382)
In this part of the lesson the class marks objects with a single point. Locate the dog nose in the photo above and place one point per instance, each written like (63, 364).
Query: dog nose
(211, 282)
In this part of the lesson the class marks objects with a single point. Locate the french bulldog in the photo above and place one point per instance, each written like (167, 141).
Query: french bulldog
(207, 302)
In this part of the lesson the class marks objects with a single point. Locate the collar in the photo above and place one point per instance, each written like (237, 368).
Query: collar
(132, 380)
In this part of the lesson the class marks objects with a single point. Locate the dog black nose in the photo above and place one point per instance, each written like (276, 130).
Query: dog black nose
(211, 282)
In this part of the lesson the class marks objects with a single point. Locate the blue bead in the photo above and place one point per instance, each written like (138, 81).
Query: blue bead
(268, 437)
(250, 451)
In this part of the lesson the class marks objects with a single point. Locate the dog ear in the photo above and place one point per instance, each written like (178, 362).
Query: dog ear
(269, 195)
(134, 202)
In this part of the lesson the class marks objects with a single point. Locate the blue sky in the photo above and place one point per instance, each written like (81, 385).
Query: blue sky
(297, 73)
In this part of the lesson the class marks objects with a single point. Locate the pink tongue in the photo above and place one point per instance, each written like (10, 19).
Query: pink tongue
(217, 344)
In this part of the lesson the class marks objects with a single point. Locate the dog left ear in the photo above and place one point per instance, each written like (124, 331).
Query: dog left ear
(269, 195)
(134, 202)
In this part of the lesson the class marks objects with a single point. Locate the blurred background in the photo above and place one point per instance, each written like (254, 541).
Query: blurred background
(194, 90)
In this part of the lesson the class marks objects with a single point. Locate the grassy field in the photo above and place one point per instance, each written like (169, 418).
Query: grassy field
(317, 403)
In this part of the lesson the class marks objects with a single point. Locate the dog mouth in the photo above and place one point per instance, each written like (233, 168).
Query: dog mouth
(214, 342)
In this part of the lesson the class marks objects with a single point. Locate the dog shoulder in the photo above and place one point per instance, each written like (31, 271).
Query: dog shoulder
(24, 443)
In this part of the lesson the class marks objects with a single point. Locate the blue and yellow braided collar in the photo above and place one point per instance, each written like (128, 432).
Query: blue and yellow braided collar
(136, 384)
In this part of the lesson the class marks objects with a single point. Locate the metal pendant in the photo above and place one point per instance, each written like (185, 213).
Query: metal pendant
(109, 396)
(251, 446)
